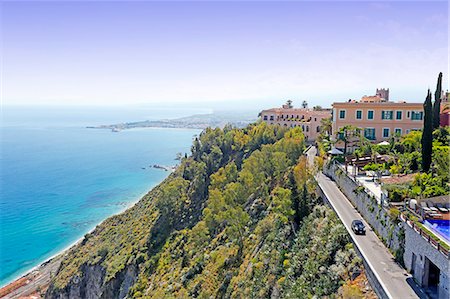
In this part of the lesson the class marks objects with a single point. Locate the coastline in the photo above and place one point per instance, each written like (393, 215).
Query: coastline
(24, 284)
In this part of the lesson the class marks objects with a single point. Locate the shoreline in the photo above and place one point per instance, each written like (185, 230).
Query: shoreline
(44, 268)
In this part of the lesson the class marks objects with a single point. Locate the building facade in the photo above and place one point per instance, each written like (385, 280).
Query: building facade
(378, 117)
(288, 116)
(445, 110)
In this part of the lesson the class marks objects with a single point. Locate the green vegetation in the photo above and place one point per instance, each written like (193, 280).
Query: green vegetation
(348, 134)
(437, 103)
(427, 134)
(239, 218)
(403, 157)
(323, 139)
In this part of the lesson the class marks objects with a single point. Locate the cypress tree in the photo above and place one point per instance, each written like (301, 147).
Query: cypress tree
(437, 103)
(427, 133)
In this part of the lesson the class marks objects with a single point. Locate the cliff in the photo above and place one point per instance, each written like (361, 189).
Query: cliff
(238, 219)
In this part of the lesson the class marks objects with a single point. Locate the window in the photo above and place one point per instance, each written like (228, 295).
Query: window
(358, 114)
(408, 115)
(387, 114)
(370, 114)
(398, 115)
(407, 131)
(416, 115)
(265, 117)
(385, 132)
(369, 133)
(398, 131)
(318, 129)
(315, 118)
(341, 114)
(271, 117)
(307, 128)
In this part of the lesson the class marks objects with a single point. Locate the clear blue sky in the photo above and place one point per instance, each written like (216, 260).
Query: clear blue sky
(113, 53)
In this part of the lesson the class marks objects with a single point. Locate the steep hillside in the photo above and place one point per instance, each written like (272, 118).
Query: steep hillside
(238, 219)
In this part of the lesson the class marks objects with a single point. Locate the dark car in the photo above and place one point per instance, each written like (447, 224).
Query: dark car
(358, 227)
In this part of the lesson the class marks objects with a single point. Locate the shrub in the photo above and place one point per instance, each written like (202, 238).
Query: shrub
(394, 213)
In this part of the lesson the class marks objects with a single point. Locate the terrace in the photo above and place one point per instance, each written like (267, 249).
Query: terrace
(434, 214)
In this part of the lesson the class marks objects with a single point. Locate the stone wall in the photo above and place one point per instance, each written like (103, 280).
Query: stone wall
(422, 249)
(387, 230)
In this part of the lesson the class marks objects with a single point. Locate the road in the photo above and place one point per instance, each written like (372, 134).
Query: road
(396, 282)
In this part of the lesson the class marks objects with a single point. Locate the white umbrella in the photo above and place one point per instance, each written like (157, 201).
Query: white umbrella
(335, 151)
(384, 143)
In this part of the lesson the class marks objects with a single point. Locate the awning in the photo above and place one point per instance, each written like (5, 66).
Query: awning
(335, 151)
(384, 143)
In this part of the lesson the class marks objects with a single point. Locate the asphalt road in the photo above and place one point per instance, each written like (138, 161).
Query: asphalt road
(396, 282)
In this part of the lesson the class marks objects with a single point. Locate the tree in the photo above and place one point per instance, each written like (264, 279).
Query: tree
(347, 134)
(412, 141)
(437, 103)
(325, 126)
(282, 204)
(427, 135)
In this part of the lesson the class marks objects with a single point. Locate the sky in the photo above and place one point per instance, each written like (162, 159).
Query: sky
(219, 53)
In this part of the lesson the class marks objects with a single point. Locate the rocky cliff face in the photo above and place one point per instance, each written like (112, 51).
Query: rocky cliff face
(91, 284)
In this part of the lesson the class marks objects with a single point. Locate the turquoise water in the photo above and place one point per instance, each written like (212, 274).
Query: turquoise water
(58, 180)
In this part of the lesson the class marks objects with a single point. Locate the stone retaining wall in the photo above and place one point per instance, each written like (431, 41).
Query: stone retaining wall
(416, 245)
(378, 218)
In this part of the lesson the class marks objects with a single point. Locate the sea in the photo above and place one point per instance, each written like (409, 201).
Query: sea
(59, 179)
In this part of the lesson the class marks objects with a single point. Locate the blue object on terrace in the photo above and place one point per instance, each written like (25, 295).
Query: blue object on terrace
(440, 227)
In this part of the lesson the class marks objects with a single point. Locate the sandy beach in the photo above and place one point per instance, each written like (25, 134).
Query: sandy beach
(35, 282)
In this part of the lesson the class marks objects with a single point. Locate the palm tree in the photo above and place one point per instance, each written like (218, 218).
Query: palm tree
(347, 134)
(325, 126)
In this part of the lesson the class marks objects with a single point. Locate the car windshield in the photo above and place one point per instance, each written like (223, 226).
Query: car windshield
(359, 223)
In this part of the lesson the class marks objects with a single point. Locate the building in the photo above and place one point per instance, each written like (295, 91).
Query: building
(378, 117)
(445, 110)
(308, 119)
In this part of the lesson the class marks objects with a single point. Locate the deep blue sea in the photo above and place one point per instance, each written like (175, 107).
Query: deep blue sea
(58, 179)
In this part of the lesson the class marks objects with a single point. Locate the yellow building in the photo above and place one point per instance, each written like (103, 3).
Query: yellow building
(378, 117)
(288, 116)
